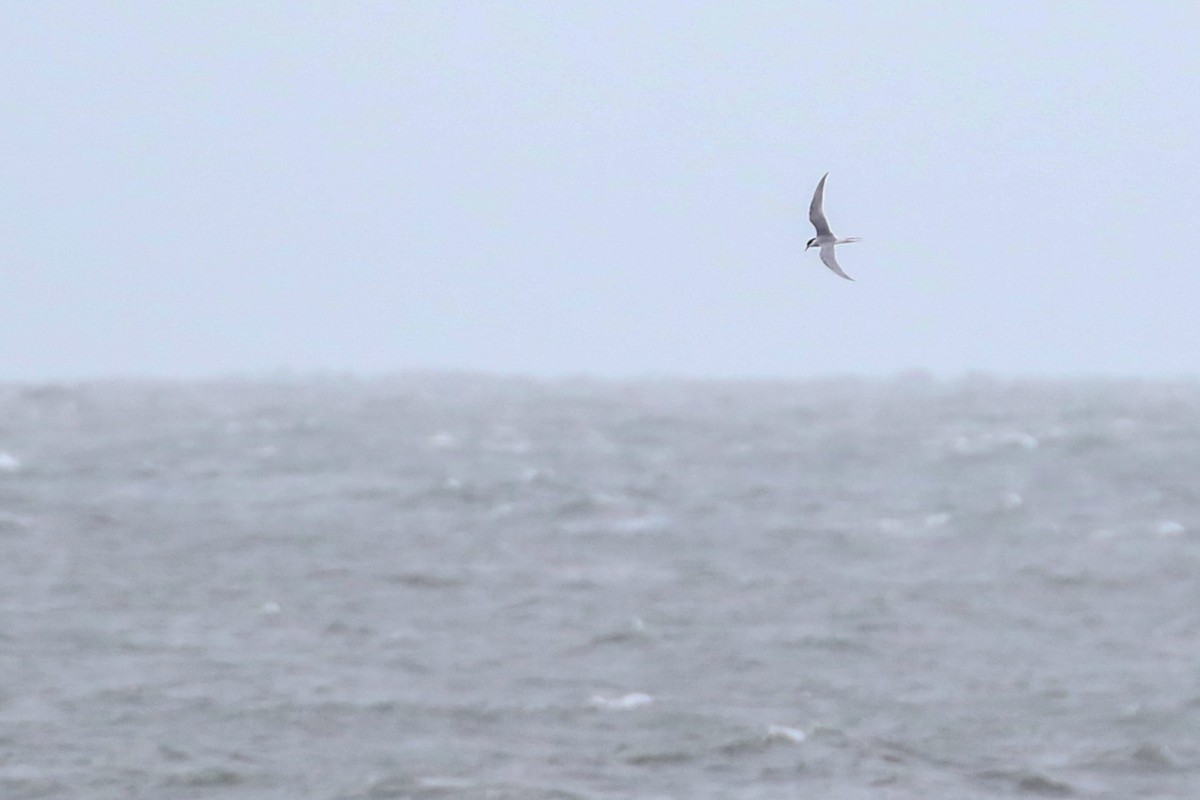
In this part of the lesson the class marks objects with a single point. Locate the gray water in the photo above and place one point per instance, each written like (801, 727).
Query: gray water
(451, 586)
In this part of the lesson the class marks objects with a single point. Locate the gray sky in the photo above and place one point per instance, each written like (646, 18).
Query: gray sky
(601, 187)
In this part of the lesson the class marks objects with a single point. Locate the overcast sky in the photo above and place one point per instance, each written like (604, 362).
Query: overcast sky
(598, 187)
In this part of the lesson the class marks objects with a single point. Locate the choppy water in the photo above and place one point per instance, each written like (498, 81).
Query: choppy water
(441, 586)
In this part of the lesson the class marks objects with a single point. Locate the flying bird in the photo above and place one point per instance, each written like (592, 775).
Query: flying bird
(825, 238)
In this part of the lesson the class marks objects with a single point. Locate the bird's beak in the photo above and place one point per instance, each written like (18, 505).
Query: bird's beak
(806, 246)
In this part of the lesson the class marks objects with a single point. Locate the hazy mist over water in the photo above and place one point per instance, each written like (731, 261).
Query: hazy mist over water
(437, 586)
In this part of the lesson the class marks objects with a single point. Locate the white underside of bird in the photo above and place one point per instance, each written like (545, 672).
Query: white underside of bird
(825, 239)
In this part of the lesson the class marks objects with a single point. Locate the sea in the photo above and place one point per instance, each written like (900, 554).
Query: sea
(441, 585)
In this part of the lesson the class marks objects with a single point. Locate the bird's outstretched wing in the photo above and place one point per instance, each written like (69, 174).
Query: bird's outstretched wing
(831, 262)
(816, 211)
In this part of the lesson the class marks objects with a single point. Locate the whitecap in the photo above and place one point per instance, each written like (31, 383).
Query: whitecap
(924, 526)
(622, 703)
(647, 523)
(9, 462)
(9, 519)
(447, 783)
(891, 525)
(786, 734)
(1011, 501)
(985, 443)
(1170, 527)
(442, 441)
(937, 520)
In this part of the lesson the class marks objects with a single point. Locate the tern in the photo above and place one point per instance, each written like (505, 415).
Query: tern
(825, 238)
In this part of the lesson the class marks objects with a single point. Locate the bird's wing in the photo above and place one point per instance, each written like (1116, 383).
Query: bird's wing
(816, 211)
(831, 262)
